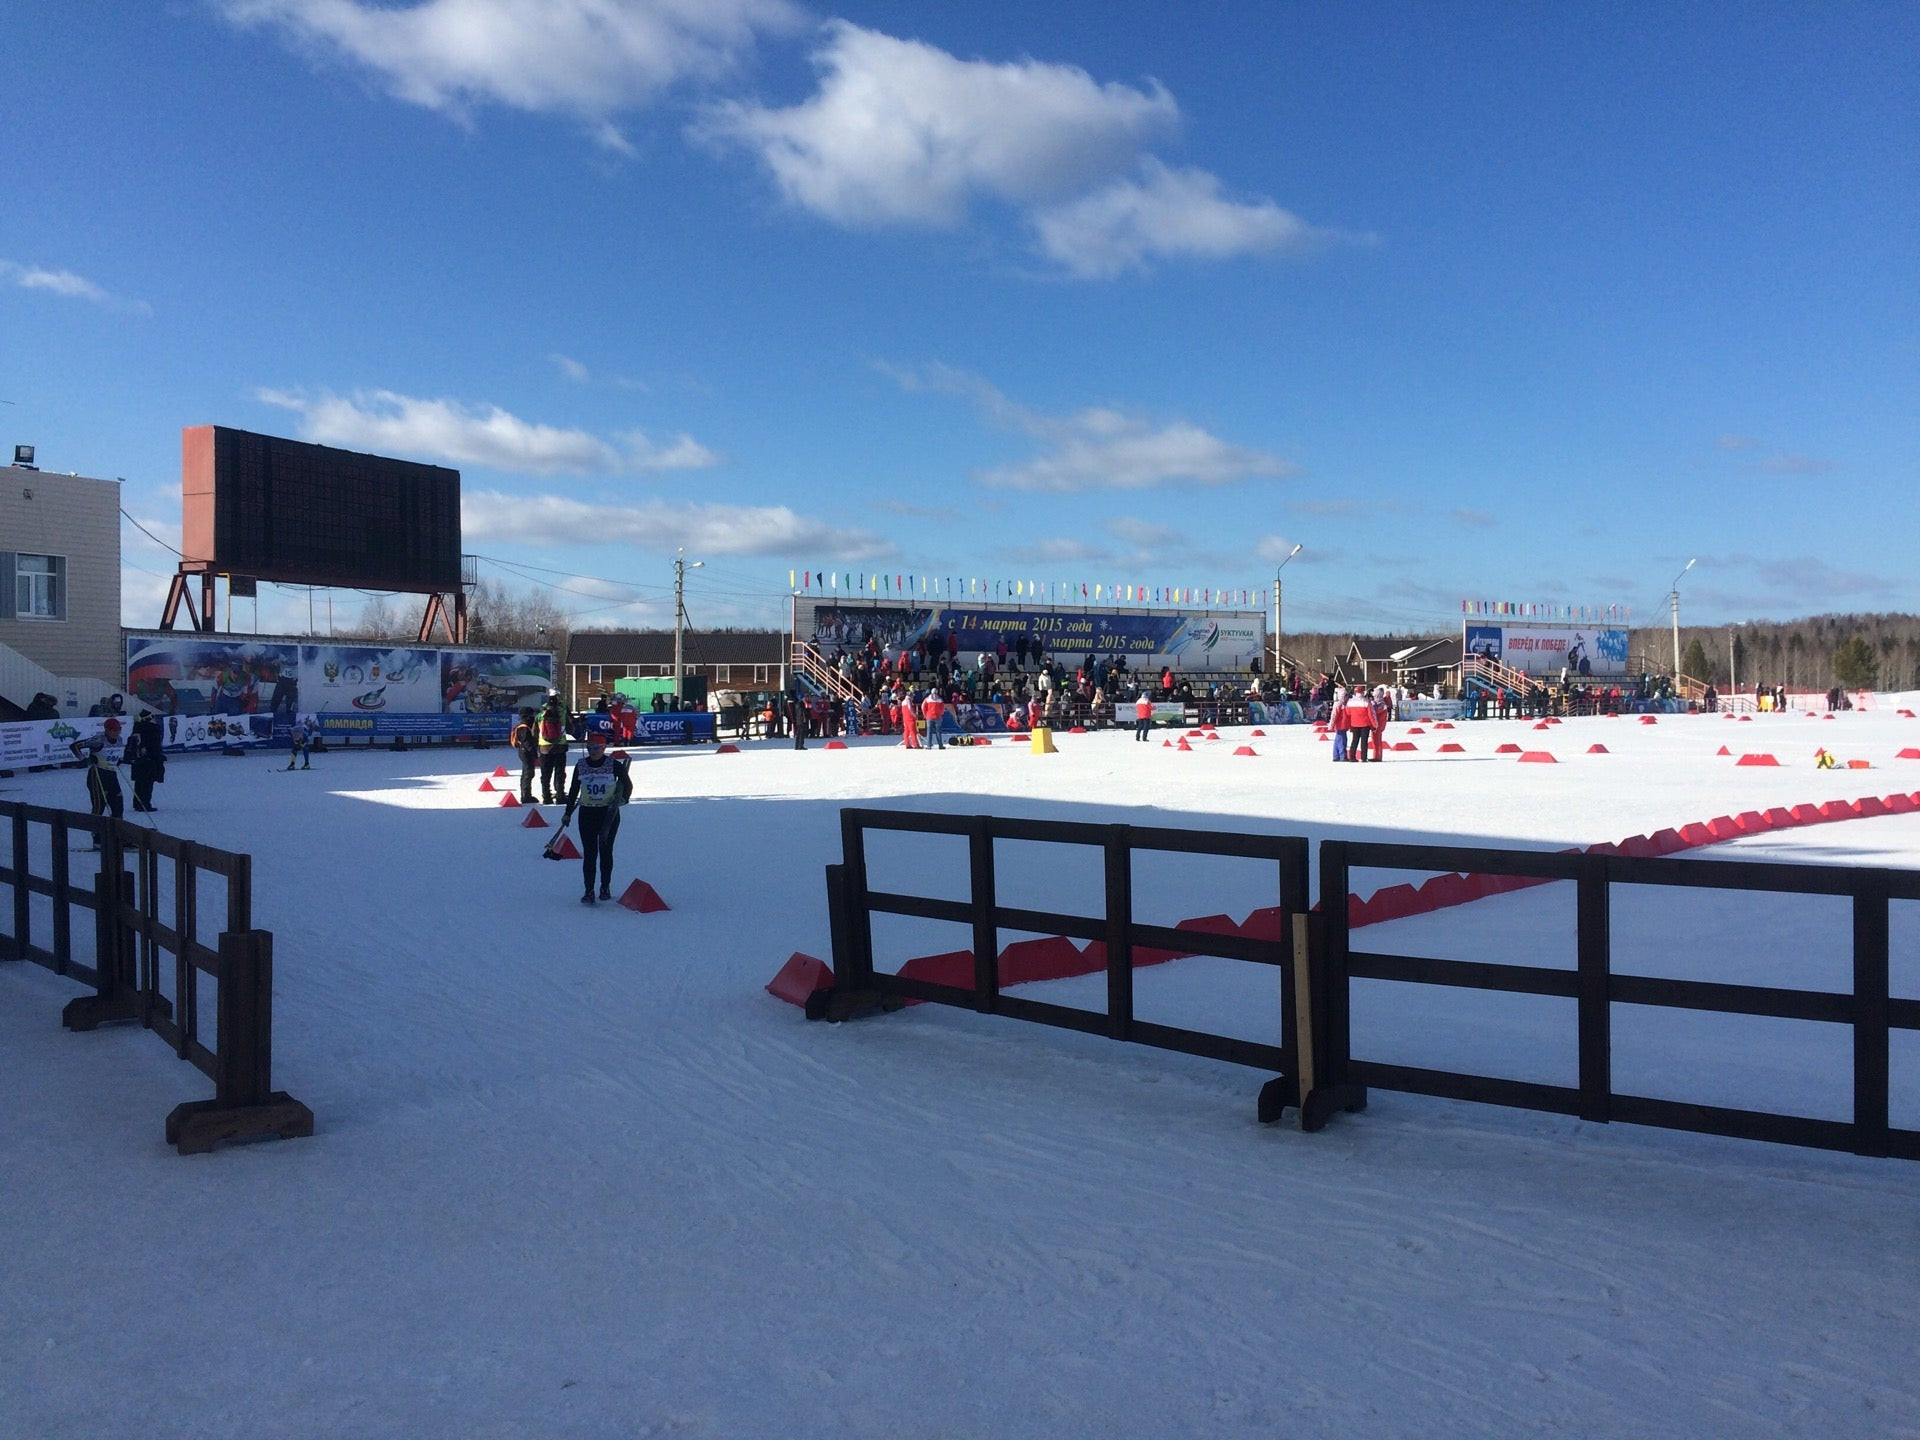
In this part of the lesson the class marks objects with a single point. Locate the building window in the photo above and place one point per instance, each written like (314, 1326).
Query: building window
(593, 674)
(760, 674)
(721, 674)
(633, 672)
(39, 587)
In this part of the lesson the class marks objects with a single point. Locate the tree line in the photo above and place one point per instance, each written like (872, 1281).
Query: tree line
(1854, 651)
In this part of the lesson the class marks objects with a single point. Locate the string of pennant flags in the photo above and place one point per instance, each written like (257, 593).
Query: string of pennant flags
(1044, 592)
(1527, 610)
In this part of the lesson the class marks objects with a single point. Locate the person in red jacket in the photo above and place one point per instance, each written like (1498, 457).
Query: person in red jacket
(934, 709)
(1359, 724)
(1382, 712)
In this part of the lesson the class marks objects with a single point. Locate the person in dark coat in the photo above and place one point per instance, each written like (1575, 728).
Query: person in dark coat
(553, 749)
(601, 785)
(525, 739)
(146, 759)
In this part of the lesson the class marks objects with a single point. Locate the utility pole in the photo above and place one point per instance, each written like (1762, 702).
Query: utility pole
(680, 568)
(1674, 595)
(1278, 630)
(1733, 665)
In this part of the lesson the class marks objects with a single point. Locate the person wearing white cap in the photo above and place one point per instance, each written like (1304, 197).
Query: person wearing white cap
(601, 785)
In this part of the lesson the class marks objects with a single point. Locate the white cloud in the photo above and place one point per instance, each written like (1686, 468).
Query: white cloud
(707, 530)
(1165, 214)
(1144, 534)
(1102, 447)
(570, 368)
(447, 430)
(1059, 552)
(588, 59)
(1796, 465)
(901, 132)
(1112, 450)
(65, 284)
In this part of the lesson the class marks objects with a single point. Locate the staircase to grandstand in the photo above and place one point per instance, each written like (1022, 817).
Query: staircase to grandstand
(818, 675)
(21, 679)
(1487, 674)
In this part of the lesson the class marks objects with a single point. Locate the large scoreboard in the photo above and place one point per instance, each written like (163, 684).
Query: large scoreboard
(301, 514)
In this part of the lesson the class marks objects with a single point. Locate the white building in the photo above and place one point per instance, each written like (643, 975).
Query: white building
(59, 588)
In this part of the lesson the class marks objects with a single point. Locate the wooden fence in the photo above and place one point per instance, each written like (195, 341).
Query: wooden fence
(135, 933)
(1313, 1054)
(860, 988)
(1867, 1008)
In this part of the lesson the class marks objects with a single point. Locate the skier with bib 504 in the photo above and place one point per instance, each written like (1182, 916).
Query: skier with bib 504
(601, 785)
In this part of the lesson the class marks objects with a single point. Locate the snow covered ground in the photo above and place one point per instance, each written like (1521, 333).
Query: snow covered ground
(576, 1174)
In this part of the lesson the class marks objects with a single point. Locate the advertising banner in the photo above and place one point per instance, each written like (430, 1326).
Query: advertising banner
(678, 727)
(27, 743)
(367, 690)
(1433, 710)
(1544, 650)
(1184, 640)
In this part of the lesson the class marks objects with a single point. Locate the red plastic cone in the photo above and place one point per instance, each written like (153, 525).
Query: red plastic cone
(533, 821)
(566, 849)
(486, 787)
(499, 772)
(509, 801)
(641, 897)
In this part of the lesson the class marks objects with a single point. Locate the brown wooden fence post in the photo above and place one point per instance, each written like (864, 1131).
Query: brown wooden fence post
(1119, 890)
(1594, 931)
(244, 1103)
(116, 997)
(986, 933)
(16, 946)
(1871, 1013)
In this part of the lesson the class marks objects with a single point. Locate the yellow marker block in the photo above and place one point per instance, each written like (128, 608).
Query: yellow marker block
(1043, 741)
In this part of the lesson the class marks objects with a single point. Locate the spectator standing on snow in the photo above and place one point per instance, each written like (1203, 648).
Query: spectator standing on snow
(146, 760)
(1337, 721)
(1359, 725)
(601, 785)
(525, 739)
(1382, 712)
(1142, 715)
(934, 709)
(553, 748)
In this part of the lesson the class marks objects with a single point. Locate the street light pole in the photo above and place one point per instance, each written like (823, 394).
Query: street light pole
(1279, 631)
(1674, 595)
(680, 568)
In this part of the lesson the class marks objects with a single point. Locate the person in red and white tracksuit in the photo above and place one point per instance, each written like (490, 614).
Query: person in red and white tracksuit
(909, 723)
(933, 709)
(1359, 724)
(1382, 712)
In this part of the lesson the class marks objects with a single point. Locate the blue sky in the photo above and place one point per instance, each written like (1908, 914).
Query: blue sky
(1524, 302)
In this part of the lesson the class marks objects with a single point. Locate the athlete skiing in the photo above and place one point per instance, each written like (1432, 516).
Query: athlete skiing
(103, 780)
(601, 785)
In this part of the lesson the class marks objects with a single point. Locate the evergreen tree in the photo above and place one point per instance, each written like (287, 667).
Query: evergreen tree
(1856, 665)
(1694, 661)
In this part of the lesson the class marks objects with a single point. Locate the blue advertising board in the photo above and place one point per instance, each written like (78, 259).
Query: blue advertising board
(1184, 640)
(353, 689)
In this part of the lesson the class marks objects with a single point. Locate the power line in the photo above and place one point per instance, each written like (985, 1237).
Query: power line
(148, 533)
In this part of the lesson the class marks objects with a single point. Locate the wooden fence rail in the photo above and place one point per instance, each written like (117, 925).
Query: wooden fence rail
(1318, 1073)
(860, 988)
(137, 955)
